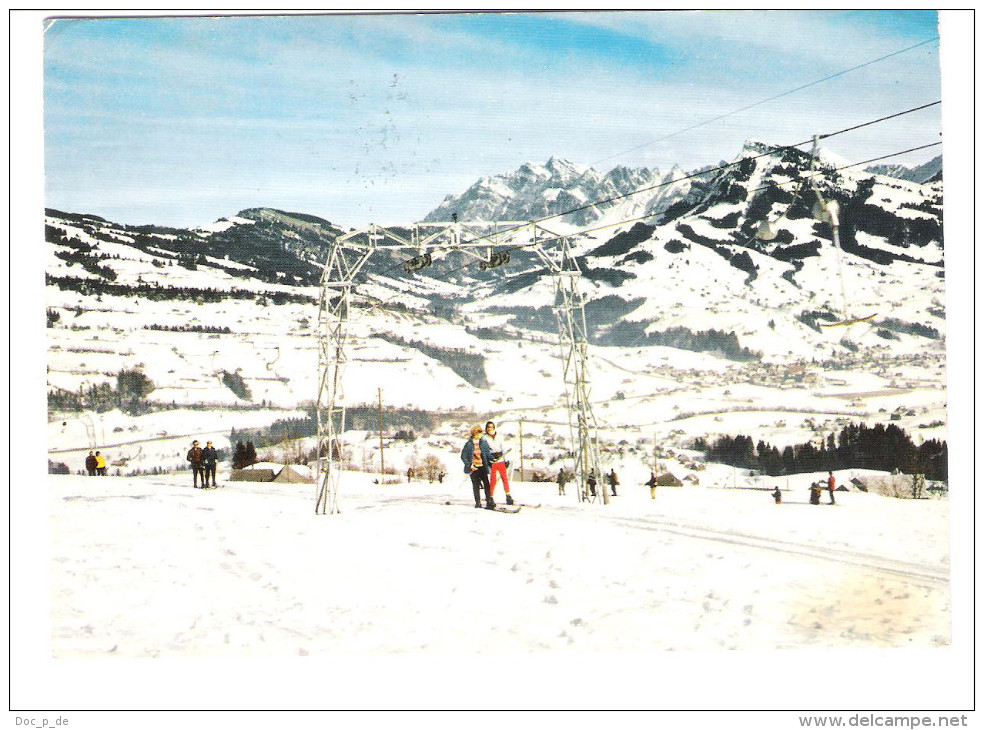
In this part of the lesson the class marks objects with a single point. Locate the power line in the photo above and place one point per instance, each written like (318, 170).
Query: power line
(646, 216)
(651, 215)
(689, 176)
(381, 303)
(881, 119)
(696, 174)
(720, 168)
(765, 101)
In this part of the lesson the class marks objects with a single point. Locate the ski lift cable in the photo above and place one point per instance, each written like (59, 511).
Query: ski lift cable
(765, 101)
(692, 175)
(383, 303)
(652, 215)
(706, 172)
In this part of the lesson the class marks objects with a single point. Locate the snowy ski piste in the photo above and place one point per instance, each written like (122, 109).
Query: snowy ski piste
(150, 567)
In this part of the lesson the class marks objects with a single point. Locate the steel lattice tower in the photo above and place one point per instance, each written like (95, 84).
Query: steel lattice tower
(347, 256)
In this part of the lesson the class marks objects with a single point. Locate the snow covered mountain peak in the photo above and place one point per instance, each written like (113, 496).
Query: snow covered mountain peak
(535, 191)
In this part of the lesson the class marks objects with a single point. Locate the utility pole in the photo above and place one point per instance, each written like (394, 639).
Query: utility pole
(382, 463)
(522, 467)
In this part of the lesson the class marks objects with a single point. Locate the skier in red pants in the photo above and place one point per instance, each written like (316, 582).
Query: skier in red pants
(498, 465)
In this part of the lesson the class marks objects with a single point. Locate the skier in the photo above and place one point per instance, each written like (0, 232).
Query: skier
(815, 490)
(476, 457)
(652, 484)
(777, 495)
(195, 459)
(613, 482)
(498, 465)
(830, 485)
(90, 464)
(100, 464)
(562, 480)
(209, 457)
(409, 475)
(593, 483)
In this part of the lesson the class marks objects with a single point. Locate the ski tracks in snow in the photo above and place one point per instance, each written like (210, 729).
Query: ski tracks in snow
(920, 573)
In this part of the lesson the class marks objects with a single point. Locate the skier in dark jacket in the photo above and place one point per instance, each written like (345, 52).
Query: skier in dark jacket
(477, 457)
(652, 485)
(195, 459)
(777, 495)
(562, 479)
(90, 464)
(209, 458)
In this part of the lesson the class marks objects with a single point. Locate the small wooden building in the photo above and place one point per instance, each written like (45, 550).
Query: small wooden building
(666, 479)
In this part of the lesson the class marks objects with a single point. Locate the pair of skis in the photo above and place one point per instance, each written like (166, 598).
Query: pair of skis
(506, 508)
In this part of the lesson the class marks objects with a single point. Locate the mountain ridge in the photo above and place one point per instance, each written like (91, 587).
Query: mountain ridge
(643, 255)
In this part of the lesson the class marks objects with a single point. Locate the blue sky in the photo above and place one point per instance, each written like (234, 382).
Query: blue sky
(363, 118)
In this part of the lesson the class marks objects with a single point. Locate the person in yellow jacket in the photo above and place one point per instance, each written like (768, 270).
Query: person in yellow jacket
(100, 465)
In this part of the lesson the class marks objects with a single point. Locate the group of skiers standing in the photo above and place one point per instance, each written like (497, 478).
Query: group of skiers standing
(483, 457)
(203, 464)
(564, 477)
(95, 464)
(816, 489)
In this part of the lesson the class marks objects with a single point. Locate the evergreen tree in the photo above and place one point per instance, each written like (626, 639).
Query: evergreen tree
(239, 456)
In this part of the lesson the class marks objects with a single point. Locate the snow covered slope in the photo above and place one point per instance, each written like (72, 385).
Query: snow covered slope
(694, 569)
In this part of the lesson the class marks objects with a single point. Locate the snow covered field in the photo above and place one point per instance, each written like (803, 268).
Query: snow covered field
(149, 567)
(701, 598)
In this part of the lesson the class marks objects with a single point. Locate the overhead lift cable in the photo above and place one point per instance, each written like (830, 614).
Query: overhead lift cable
(709, 171)
(379, 304)
(766, 101)
(705, 172)
(689, 176)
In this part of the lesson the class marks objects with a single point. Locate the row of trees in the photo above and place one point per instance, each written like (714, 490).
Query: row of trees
(156, 292)
(857, 446)
(132, 388)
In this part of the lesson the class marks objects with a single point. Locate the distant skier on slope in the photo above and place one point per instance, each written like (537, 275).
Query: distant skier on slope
(652, 485)
(593, 482)
(499, 465)
(612, 478)
(476, 457)
(815, 490)
(777, 495)
(830, 485)
(562, 479)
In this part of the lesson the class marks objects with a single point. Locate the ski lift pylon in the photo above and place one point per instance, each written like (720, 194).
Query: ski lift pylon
(828, 211)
